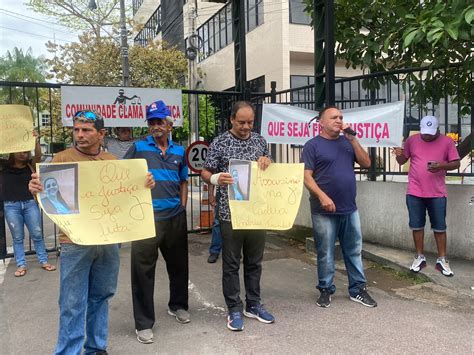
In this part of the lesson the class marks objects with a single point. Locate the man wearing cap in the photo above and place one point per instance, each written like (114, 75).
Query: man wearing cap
(166, 161)
(88, 274)
(330, 179)
(431, 155)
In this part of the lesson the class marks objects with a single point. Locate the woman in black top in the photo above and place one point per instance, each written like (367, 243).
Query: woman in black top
(20, 207)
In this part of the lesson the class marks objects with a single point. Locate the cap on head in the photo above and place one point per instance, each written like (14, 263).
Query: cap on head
(158, 110)
(429, 125)
(121, 91)
(89, 116)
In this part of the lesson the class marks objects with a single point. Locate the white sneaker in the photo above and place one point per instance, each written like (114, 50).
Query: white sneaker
(442, 265)
(418, 263)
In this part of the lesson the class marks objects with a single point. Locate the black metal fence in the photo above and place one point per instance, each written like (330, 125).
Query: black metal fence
(212, 110)
(397, 85)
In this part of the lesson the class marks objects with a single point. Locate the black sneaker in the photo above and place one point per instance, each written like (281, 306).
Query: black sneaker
(324, 299)
(212, 258)
(364, 298)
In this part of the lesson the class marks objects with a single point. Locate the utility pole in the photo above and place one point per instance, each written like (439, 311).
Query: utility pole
(192, 75)
(124, 45)
(123, 41)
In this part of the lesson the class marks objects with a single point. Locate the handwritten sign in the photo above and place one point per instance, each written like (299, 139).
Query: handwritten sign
(16, 127)
(114, 204)
(274, 198)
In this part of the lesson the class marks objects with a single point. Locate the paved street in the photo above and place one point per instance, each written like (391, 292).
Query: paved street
(410, 318)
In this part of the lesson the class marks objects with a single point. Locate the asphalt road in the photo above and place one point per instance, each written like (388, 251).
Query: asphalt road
(410, 318)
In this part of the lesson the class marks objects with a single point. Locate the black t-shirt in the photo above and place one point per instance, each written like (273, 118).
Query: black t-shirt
(14, 182)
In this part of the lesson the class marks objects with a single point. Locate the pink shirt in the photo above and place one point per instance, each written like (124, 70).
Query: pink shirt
(421, 182)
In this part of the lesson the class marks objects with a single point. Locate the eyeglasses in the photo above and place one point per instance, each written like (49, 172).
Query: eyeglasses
(89, 115)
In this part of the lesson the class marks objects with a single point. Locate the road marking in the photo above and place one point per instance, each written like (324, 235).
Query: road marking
(194, 290)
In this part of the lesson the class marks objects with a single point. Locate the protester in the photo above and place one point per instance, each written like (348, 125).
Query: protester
(20, 207)
(88, 273)
(119, 145)
(238, 143)
(216, 239)
(431, 155)
(166, 161)
(329, 177)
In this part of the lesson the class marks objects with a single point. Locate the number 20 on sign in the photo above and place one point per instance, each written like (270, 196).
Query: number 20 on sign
(196, 154)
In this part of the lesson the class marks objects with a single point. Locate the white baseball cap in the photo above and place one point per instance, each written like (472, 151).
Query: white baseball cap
(429, 125)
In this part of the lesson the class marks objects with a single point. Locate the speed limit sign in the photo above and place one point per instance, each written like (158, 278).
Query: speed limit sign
(196, 155)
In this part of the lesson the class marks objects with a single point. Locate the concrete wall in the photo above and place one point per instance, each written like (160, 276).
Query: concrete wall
(384, 217)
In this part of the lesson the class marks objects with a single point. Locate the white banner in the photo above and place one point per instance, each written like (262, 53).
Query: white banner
(376, 126)
(120, 107)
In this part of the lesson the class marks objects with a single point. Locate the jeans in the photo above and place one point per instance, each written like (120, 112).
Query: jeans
(436, 207)
(250, 243)
(17, 214)
(172, 240)
(88, 280)
(346, 228)
(216, 241)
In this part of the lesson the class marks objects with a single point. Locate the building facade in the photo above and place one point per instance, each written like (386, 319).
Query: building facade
(279, 40)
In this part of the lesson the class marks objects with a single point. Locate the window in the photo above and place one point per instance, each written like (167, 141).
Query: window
(297, 13)
(150, 30)
(45, 119)
(303, 96)
(216, 33)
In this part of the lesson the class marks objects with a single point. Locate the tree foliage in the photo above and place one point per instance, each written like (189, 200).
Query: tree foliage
(97, 61)
(76, 14)
(393, 34)
(18, 66)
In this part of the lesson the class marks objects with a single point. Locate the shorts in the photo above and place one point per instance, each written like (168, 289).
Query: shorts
(436, 207)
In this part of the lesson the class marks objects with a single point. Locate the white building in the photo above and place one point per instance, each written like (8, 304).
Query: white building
(279, 40)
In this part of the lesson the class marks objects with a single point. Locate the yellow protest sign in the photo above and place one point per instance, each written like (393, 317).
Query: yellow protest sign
(268, 199)
(16, 129)
(98, 202)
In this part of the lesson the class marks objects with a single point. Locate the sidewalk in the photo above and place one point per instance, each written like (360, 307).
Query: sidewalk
(398, 259)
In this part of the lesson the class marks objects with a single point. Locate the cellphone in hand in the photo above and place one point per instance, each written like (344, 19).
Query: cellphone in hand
(430, 163)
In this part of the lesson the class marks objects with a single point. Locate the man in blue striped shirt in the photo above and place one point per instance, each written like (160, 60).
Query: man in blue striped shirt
(166, 161)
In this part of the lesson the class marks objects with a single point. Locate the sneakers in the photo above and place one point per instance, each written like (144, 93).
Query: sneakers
(260, 313)
(442, 265)
(144, 336)
(324, 299)
(364, 298)
(182, 316)
(418, 263)
(235, 321)
(212, 258)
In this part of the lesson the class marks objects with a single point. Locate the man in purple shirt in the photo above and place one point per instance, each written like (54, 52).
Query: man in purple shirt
(329, 176)
(431, 155)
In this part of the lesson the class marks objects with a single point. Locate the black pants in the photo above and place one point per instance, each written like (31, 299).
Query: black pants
(172, 239)
(252, 244)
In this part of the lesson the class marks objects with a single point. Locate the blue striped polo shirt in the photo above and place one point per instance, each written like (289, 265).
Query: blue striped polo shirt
(168, 170)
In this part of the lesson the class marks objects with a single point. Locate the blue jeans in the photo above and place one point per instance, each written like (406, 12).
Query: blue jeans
(436, 207)
(346, 228)
(216, 241)
(88, 281)
(17, 214)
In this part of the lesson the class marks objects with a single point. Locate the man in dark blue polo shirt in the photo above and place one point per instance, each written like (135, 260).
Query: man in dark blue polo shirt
(329, 177)
(166, 161)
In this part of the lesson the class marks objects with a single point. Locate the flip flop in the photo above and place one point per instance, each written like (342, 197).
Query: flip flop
(48, 267)
(21, 271)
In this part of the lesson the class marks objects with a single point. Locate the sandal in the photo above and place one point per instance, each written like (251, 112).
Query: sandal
(21, 271)
(48, 267)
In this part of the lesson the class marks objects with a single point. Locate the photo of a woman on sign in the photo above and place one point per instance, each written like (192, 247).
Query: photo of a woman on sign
(240, 171)
(60, 189)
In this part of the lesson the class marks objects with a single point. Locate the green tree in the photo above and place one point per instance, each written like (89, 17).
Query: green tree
(76, 14)
(23, 67)
(392, 34)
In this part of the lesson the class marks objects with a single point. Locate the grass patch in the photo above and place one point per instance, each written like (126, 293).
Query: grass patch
(416, 279)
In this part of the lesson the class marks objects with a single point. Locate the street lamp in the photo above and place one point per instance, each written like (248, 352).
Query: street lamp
(123, 37)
